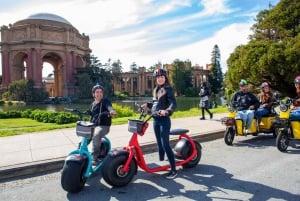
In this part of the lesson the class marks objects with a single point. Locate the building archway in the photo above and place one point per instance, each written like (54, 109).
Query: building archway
(27, 44)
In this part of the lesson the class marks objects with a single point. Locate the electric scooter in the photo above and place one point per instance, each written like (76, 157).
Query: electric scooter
(78, 164)
(288, 129)
(121, 164)
(235, 125)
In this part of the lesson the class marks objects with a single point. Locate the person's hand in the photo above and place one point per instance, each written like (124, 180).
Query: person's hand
(112, 113)
(251, 107)
(163, 113)
(144, 106)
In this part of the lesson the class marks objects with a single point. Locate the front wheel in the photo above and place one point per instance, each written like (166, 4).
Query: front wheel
(194, 161)
(72, 176)
(112, 170)
(229, 136)
(275, 132)
(282, 141)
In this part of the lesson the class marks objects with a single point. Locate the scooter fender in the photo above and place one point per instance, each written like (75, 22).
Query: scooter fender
(117, 152)
(75, 157)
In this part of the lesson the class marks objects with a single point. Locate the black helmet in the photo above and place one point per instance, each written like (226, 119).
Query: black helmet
(97, 86)
(160, 72)
(297, 80)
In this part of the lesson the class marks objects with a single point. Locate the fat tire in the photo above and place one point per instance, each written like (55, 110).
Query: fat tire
(72, 176)
(111, 170)
(282, 141)
(229, 136)
(192, 163)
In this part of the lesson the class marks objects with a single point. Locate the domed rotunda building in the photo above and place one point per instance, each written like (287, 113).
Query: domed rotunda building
(27, 44)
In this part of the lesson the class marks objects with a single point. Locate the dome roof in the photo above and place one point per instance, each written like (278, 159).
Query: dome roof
(48, 16)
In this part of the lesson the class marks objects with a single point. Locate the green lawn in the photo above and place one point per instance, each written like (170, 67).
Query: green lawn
(9, 127)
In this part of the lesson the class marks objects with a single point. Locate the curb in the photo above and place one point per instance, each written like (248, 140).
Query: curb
(11, 172)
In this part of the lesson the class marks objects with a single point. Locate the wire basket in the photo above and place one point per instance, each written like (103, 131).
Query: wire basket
(84, 129)
(135, 125)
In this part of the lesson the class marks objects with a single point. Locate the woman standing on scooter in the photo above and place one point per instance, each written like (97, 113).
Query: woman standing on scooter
(163, 105)
(265, 97)
(102, 123)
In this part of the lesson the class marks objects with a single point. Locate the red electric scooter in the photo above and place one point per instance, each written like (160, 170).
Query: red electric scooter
(120, 165)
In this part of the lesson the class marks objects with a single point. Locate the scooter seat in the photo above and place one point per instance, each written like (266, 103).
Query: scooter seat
(178, 131)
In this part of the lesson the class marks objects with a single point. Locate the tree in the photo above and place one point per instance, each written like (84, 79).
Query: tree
(134, 67)
(180, 75)
(215, 77)
(273, 51)
(97, 73)
(23, 90)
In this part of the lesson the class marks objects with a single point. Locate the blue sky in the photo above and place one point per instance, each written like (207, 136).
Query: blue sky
(149, 31)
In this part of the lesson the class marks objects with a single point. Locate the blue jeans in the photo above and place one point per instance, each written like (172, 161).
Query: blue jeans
(295, 114)
(162, 126)
(261, 112)
(247, 117)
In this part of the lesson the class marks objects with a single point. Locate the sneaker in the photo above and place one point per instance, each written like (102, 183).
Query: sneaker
(202, 118)
(172, 174)
(247, 132)
(211, 115)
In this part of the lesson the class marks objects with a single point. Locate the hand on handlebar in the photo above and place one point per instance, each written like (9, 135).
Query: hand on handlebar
(112, 113)
(163, 113)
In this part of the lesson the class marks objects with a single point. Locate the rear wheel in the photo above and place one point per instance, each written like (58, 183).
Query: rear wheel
(282, 141)
(72, 176)
(194, 161)
(229, 136)
(112, 170)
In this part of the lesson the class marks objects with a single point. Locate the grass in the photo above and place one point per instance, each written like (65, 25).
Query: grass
(10, 127)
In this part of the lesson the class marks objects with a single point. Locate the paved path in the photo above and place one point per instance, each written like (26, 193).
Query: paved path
(35, 152)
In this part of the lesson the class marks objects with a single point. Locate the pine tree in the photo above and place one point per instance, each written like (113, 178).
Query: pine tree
(215, 77)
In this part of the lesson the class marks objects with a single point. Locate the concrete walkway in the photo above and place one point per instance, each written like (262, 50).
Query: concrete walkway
(37, 152)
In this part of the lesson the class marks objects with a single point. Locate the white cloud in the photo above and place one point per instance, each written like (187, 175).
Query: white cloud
(132, 30)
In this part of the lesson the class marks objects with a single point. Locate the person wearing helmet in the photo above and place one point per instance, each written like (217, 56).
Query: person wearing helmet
(103, 122)
(266, 98)
(295, 112)
(246, 103)
(204, 101)
(163, 105)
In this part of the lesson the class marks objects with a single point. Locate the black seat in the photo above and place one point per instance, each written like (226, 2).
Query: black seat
(178, 131)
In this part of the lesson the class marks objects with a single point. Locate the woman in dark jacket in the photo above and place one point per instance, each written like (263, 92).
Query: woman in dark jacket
(163, 105)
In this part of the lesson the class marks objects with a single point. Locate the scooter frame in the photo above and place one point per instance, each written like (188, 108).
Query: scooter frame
(134, 153)
(81, 156)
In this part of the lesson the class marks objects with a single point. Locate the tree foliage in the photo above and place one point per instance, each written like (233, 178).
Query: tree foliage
(273, 51)
(215, 77)
(94, 73)
(180, 76)
(23, 90)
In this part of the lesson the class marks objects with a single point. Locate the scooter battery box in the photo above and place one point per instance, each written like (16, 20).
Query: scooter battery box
(266, 122)
(296, 129)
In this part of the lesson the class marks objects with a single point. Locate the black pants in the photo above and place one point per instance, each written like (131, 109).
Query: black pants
(207, 110)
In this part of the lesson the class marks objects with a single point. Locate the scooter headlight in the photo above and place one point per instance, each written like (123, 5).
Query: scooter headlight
(283, 108)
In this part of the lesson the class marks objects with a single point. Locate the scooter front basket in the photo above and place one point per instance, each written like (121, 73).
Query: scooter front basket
(135, 126)
(84, 129)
